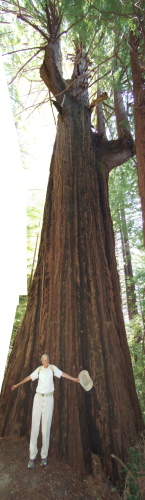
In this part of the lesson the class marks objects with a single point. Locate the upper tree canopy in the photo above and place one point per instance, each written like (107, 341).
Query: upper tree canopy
(99, 34)
(103, 31)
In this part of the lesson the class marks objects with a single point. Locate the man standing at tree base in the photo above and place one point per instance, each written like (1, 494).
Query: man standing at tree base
(43, 405)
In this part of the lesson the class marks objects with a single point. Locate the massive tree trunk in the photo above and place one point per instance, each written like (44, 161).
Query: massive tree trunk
(74, 308)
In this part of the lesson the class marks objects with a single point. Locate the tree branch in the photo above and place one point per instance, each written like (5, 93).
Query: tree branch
(33, 107)
(33, 25)
(72, 25)
(43, 47)
(50, 73)
(24, 65)
(116, 152)
(129, 15)
(95, 81)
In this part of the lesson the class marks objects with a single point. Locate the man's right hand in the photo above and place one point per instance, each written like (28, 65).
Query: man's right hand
(14, 387)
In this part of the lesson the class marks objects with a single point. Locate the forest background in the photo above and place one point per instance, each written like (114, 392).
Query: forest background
(111, 71)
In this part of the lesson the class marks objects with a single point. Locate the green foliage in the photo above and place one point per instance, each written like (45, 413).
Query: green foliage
(135, 335)
(123, 193)
(22, 49)
(34, 222)
(124, 200)
(134, 475)
(102, 28)
(103, 34)
(20, 311)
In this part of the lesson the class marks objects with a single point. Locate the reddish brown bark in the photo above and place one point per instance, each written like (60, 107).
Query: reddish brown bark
(74, 311)
(74, 308)
(139, 117)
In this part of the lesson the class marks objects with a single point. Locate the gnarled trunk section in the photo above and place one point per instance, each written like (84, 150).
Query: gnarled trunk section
(74, 311)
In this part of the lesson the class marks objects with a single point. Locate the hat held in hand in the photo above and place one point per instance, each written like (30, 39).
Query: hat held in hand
(85, 380)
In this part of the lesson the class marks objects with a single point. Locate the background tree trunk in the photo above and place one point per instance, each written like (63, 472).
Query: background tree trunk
(128, 271)
(139, 118)
(74, 311)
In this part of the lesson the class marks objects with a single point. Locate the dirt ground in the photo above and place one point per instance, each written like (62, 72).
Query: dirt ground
(57, 481)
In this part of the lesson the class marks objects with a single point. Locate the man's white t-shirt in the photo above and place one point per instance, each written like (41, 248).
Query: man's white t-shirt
(45, 378)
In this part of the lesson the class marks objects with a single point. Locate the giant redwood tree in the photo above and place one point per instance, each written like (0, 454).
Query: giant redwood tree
(74, 307)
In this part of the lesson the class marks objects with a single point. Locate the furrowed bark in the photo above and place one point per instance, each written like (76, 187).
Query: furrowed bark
(116, 151)
(51, 75)
(51, 69)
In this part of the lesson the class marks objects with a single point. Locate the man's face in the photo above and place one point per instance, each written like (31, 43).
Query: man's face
(45, 361)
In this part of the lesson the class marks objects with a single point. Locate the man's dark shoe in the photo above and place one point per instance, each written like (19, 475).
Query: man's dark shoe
(30, 464)
(43, 462)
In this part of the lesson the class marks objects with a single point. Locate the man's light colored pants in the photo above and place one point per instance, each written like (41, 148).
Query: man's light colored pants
(42, 409)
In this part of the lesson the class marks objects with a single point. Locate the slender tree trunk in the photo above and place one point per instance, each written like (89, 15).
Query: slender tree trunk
(74, 311)
(128, 271)
(139, 118)
(123, 127)
(100, 118)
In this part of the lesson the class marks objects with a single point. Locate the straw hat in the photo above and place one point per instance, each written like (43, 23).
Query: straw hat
(85, 380)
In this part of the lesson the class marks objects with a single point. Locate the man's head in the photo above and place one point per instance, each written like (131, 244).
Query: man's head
(45, 360)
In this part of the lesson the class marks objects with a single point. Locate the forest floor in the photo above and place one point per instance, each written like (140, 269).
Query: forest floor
(57, 481)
